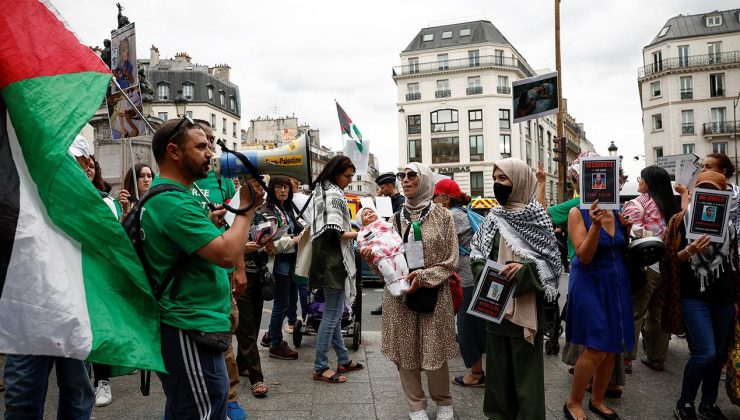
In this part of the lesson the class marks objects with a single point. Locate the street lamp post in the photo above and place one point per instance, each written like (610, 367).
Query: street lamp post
(613, 149)
(734, 128)
(181, 104)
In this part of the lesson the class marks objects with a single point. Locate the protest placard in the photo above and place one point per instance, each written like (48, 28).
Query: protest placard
(709, 214)
(600, 181)
(492, 293)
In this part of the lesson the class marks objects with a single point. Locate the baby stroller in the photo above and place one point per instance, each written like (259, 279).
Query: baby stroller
(351, 318)
(553, 326)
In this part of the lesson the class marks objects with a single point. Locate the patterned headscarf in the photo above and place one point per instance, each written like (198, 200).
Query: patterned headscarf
(424, 192)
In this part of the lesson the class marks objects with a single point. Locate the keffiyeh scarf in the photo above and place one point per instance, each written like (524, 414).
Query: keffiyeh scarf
(330, 211)
(709, 264)
(530, 235)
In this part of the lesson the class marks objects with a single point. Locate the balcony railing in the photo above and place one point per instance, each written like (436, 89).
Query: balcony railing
(730, 57)
(413, 96)
(442, 93)
(505, 90)
(687, 128)
(687, 93)
(716, 93)
(463, 63)
(477, 90)
(723, 127)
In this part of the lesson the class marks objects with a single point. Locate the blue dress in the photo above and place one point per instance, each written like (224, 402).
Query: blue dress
(599, 314)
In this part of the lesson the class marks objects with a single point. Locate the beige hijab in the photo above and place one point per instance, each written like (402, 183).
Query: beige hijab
(425, 190)
(522, 310)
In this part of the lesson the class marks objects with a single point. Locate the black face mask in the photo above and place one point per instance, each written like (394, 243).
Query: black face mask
(502, 192)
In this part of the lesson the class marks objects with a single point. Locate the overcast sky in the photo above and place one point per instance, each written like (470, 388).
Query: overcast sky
(299, 56)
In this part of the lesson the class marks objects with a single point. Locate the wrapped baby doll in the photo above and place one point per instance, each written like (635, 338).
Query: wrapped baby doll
(387, 249)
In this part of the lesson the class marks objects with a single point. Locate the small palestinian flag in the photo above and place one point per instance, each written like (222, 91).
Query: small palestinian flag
(71, 284)
(348, 127)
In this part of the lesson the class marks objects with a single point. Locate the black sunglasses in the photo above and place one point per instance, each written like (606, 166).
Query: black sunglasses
(411, 175)
(179, 124)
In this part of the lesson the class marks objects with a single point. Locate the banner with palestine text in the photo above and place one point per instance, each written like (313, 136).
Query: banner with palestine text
(71, 284)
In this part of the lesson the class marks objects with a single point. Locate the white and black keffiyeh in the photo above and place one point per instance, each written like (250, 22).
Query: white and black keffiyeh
(529, 234)
(709, 264)
(330, 211)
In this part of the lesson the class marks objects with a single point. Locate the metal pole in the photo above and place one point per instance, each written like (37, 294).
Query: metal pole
(563, 164)
(734, 131)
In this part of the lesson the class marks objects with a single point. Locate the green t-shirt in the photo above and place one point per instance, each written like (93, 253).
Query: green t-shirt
(210, 188)
(174, 223)
(559, 214)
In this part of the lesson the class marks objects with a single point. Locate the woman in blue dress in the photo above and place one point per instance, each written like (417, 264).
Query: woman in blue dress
(599, 314)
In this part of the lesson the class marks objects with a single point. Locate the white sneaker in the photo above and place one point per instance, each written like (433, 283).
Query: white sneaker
(288, 328)
(445, 413)
(419, 415)
(103, 395)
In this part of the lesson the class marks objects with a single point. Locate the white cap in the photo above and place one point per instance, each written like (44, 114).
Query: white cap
(79, 147)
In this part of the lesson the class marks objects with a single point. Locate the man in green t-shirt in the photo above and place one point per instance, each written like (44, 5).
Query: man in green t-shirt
(181, 237)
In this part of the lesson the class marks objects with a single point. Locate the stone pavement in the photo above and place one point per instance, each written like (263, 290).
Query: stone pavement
(375, 393)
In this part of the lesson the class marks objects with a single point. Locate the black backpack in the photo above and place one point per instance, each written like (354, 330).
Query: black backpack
(132, 226)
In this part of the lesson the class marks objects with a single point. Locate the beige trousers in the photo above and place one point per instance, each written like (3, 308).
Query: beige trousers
(439, 387)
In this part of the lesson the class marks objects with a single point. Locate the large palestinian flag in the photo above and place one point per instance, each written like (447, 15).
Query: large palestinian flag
(70, 282)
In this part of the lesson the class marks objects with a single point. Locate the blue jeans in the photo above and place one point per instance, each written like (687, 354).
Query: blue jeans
(471, 331)
(27, 381)
(330, 330)
(279, 308)
(297, 291)
(708, 331)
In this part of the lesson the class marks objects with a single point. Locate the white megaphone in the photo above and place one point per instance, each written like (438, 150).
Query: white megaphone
(293, 160)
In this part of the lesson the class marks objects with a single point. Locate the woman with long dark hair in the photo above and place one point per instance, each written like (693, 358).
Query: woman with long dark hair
(333, 265)
(650, 213)
(128, 194)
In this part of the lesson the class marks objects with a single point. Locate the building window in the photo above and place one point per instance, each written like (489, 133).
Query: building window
(475, 119)
(714, 49)
(687, 122)
(415, 150)
(428, 37)
(474, 58)
(232, 103)
(474, 87)
(444, 120)
(719, 147)
(414, 65)
(688, 148)
(683, 55)
(476, 148)
(233, 130)
(465, 32)
(187, 91)
(657, 61)
(414, 124)
(505, 145)
(498, 57)
(655, 88)
(476, 184)
(413, 92)
(163, 91)
(529, 153)
(541, 152)
(540, 134)
(718, 121)
(222, 99)
(664, 31)
(715, 20)
(504, 119)
(223, 129)
(162, 116)
(657, 152)
(446, 34)
(210, 93)
(445, 150)
(687, 87)
(503, 85)
(443, 89)
(443, 62)
(717, 85)
(657, 122)
(213, 121)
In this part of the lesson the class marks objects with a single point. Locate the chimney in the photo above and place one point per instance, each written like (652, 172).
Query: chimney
(153, 57)
(183, 56)
(221, 72)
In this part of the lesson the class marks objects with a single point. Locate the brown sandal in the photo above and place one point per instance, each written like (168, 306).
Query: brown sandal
(333, 379)
(347, 367)
(259, 389)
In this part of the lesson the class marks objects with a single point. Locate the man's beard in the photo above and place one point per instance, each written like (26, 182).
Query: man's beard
(199, 171)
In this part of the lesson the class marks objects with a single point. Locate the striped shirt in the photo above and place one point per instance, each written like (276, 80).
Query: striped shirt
(645, 213)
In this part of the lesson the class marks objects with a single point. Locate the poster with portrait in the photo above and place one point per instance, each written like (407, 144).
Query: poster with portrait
(492, 293)
(600, 181)
(125, 122)
(710, 214)
(535, 97)
(123, 57)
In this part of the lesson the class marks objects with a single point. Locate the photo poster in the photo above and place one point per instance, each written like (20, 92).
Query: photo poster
(686, 170)
(358, 158)
(123, 57)
(710, 214)
(600, 181)
(384, 206)
(492, 294)
(535, 97)
(125, 122)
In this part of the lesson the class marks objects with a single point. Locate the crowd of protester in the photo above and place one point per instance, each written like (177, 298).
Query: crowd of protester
(216, 278)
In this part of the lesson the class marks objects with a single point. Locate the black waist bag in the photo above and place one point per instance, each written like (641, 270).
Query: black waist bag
(423, 300)
(214, 341)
